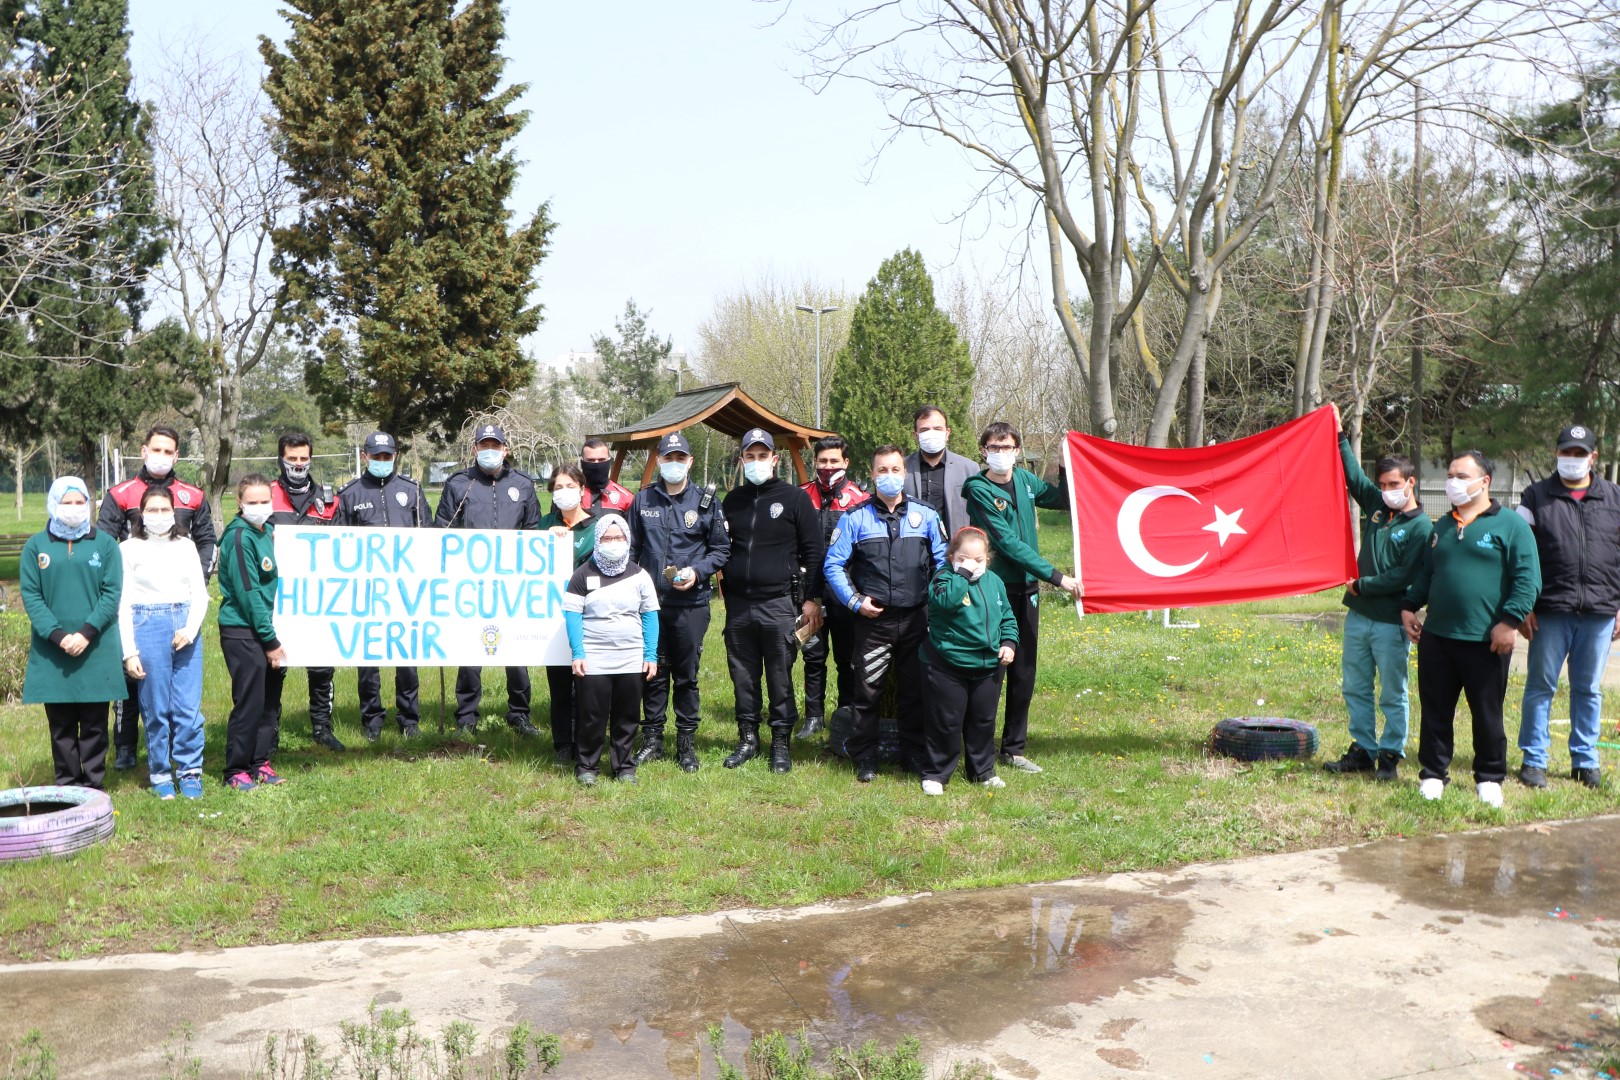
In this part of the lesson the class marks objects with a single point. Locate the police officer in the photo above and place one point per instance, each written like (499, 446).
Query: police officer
(296, 499)
(119, 509)
(774, 532)
(833, 494)
(381, 497)
(678, 534)
(490, 495)
(601, 493)
(882, 558)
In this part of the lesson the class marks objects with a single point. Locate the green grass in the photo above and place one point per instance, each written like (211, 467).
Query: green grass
(429, 836)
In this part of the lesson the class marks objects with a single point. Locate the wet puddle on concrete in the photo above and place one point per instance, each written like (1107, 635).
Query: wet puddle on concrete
(956, 968)
(1568, 871)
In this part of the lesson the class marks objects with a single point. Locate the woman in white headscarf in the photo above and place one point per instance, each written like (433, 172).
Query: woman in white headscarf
(611, 608)
(71, 577)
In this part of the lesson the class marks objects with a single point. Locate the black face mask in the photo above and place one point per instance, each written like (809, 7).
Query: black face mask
(596, 473)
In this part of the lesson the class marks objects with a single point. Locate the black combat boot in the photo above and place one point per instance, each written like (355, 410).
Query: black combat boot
(747, 746)
(781, 758)
(652, 746)
(813, 724)
(320, 713)
(685, 752)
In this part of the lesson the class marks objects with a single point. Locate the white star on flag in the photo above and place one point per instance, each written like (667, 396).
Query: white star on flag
(1226, 524)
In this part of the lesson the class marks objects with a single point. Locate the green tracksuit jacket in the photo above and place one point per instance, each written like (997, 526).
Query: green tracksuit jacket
(1010, 523)
(1393, 546)
(1477, 575)
(247, 580)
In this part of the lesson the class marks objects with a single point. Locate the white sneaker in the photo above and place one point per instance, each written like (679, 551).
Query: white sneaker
(1490, 793)
(1021, 763)
(994, 782)
(933, 787)
(1434, 787)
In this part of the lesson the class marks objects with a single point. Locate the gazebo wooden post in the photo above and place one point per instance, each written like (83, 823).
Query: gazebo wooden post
(797, 445)
(618, 463)
(647, 472)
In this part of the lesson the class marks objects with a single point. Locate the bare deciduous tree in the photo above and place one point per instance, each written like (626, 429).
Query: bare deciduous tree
(757, 336)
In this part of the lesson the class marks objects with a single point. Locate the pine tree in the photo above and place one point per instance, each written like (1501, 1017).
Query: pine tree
(630, 379)
(404, 272)
(903, 352)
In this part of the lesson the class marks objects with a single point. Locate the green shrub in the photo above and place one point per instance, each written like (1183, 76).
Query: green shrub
(13, 655)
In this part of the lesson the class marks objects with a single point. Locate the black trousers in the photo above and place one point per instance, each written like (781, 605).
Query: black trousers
(560, 681)
(680, 653)
(961, 715)
(470, 691)
(79, 743)
(884, 645)
(320, 701)
(126, 728)
(837, 637)
(606, 706)
(251, 731)
(1021, 672)
(1446, 668)
(372, 713)
(759, 639)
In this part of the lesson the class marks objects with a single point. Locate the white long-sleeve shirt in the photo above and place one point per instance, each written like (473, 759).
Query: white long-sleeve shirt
(160, 571)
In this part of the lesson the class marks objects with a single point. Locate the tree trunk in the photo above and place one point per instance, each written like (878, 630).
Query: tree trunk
(228, 414)
(1194, 331)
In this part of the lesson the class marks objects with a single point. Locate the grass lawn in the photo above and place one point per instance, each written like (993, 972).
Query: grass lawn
(430, 836)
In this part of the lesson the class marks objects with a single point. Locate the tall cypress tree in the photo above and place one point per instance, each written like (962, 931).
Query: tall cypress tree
(403, 271)
(903, 352)
(74, 342)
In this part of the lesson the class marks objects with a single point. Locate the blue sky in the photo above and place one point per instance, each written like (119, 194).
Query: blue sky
(681, 156)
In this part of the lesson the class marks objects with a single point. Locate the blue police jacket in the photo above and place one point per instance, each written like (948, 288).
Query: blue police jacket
(887, 555)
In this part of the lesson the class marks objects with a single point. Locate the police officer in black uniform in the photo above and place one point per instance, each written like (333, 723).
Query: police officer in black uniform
(678, 534)
(490, 495)
(296, 499)
(774, 531)
(379, 498)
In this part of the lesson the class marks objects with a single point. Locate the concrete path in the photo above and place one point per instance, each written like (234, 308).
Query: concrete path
(1447, 957)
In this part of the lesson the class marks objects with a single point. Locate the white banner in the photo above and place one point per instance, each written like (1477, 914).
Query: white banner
(421, 597)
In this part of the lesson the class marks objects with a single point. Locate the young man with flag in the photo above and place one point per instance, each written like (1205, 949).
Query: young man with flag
(1394, 540)
(1001, 500)
(1479, 581)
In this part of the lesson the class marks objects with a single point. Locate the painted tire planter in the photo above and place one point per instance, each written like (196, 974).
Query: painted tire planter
(40, 822)
(1263, 738)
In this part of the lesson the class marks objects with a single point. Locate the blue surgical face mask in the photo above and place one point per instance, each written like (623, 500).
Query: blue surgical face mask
(490, 460)
(757, 472)
(382, 470)
(890, 485)
(673, 472)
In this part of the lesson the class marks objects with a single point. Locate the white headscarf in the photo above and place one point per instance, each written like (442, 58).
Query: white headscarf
(610, 567)
(53, 499)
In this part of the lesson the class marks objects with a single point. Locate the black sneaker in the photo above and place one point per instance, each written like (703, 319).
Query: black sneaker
(124, 759)
(1354, 760)
(1533, 777)
(866, 771)
(371, 734)
(324, 737)
(410, 731)
(564, 758)
(522, 728)
(1592, 778)
(1389, 766)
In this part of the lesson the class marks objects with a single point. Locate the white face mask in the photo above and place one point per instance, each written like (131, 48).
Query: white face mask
(757, 472)
(73, 515)
(1396, 500)
(1001, 461)
(256, 513)
(973, 568)
(159, 464)
(1457, 490)
(614, 550)
(158, 524)
(565, 498)
(932, 441)
(1574, 468)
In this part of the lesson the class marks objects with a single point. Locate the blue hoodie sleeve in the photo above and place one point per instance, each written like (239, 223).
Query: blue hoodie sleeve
(834, 566)
(649, 637)
(575, 621)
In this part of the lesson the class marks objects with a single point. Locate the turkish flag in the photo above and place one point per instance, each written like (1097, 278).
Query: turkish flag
(1262, 516)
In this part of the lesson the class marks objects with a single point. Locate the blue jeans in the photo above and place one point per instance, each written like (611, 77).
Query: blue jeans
(1376, 648)
(171, 693)
(1584, 641)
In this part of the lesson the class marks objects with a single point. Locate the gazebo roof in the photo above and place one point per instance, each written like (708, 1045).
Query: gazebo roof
(726, 408)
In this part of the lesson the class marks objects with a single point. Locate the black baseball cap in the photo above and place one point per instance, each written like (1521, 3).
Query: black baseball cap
(758, 435)
(1577, 435)
(489, 431)
(674, 443)
(380, 442)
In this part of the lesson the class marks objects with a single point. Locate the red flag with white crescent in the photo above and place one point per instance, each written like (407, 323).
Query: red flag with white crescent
(1260, 517)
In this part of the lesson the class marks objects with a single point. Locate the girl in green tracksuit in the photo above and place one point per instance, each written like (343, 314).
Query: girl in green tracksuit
(247, 637)
(972, 637)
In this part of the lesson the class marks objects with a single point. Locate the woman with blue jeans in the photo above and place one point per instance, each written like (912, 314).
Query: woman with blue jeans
(159, 615)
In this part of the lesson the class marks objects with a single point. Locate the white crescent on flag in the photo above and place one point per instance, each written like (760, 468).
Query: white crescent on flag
(1130, 532)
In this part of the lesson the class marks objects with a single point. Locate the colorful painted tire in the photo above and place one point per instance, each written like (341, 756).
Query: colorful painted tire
(41, 822)
(1263, 738)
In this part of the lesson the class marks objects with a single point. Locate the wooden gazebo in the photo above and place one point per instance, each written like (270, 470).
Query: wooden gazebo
(727, 409)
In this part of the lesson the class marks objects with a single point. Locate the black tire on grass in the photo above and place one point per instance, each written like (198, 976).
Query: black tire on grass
(37, 822)
(1263, 738)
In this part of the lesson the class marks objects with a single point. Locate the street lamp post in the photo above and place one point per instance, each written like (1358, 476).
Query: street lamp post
(677, 369)
(818, 312)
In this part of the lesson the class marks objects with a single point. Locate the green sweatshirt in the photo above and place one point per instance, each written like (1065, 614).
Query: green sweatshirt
(72, 587)
(1009, 520)
(969, 621)
(247, 581)
(1393, 546)
(584, 533)
(1477, 575)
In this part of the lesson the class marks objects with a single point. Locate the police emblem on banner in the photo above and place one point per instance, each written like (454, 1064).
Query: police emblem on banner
(776, 510)
(690, 518)
(914, 519)
(401, 498)
(491, 638)
(44, 560)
